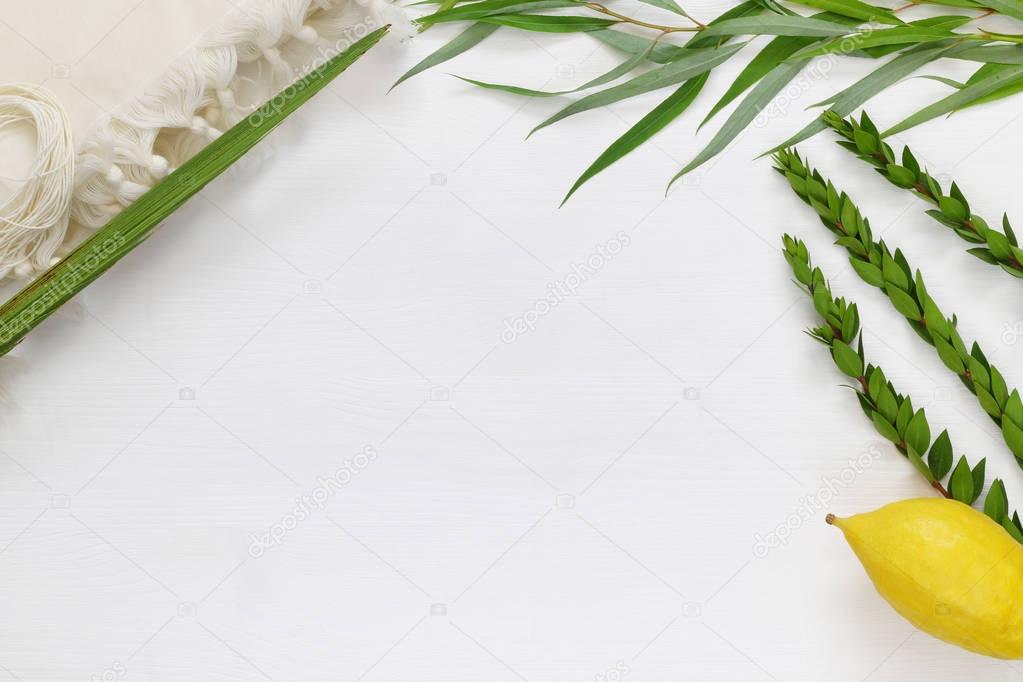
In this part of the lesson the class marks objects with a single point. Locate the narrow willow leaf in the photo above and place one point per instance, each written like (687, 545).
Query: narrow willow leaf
(987, 70)
(663, 52)
(612, 75)
(758, 98)
(466, 40)
(544, 23)
(117, 238)
(669, 5)
(774, 53)
(854, 9)
(902, 35)
(846, 101)
(692, 64)
(777, 26)
(1010, 8)
(956, 100)
(486, 8)
(656, 51)
(945, 81)
(648, 126)
(967, 4)
(992, 54)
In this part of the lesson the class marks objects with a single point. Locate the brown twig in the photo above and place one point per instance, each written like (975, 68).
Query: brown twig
(638, 22)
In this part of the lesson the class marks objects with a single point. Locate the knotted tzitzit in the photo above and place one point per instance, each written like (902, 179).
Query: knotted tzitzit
(34, 218)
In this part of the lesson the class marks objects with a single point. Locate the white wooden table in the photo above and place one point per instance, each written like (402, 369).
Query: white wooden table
(592, 499)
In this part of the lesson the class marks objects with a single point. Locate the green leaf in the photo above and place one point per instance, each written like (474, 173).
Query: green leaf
(757, 99)
(773, 54)
(860, 92)
(902, 35)
(1010, 8)
(847, 359)
(465, 40)
(485, 8)
(607, 77)
(656, 51)
(777, 25)
(918, 433)
(669, 5)
(1013, 437)
(952, 208)
(545, 23)
(978, 479)
(131, 227)
(996, 504)
(1011, 528)
(854, 9)
(905, 414)
(940, 457)
(918, 463)
(904, 303)
(988, 402)
(693, 63)
(648, 126)
(961, 483)
(886, 429)
(868, 272)
(956, 100)
(948, 355)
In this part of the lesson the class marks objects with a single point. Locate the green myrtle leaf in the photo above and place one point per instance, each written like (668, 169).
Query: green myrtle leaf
(952, 208)
(847, 359)
(904, 303)
(978, 479)
(940, 457)
(884, 428)
(1011, 529)
(918, 433)
(948, 355)
(988, 402)
(1013, 436)
(999, 390)
(904, 416)
(1013, 407)
(868, 272)
(996, 504)
(918, 463)
(961, 483)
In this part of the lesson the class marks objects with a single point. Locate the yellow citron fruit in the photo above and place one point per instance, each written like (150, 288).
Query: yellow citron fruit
(947, 568)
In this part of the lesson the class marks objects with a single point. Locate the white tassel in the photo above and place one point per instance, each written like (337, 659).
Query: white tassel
(251, 55)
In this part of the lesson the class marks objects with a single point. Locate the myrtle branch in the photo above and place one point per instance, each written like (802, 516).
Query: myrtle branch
(953, 210)
(891, 273)
(891, 412)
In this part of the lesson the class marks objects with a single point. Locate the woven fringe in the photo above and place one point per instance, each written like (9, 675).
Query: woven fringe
(254, 53)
